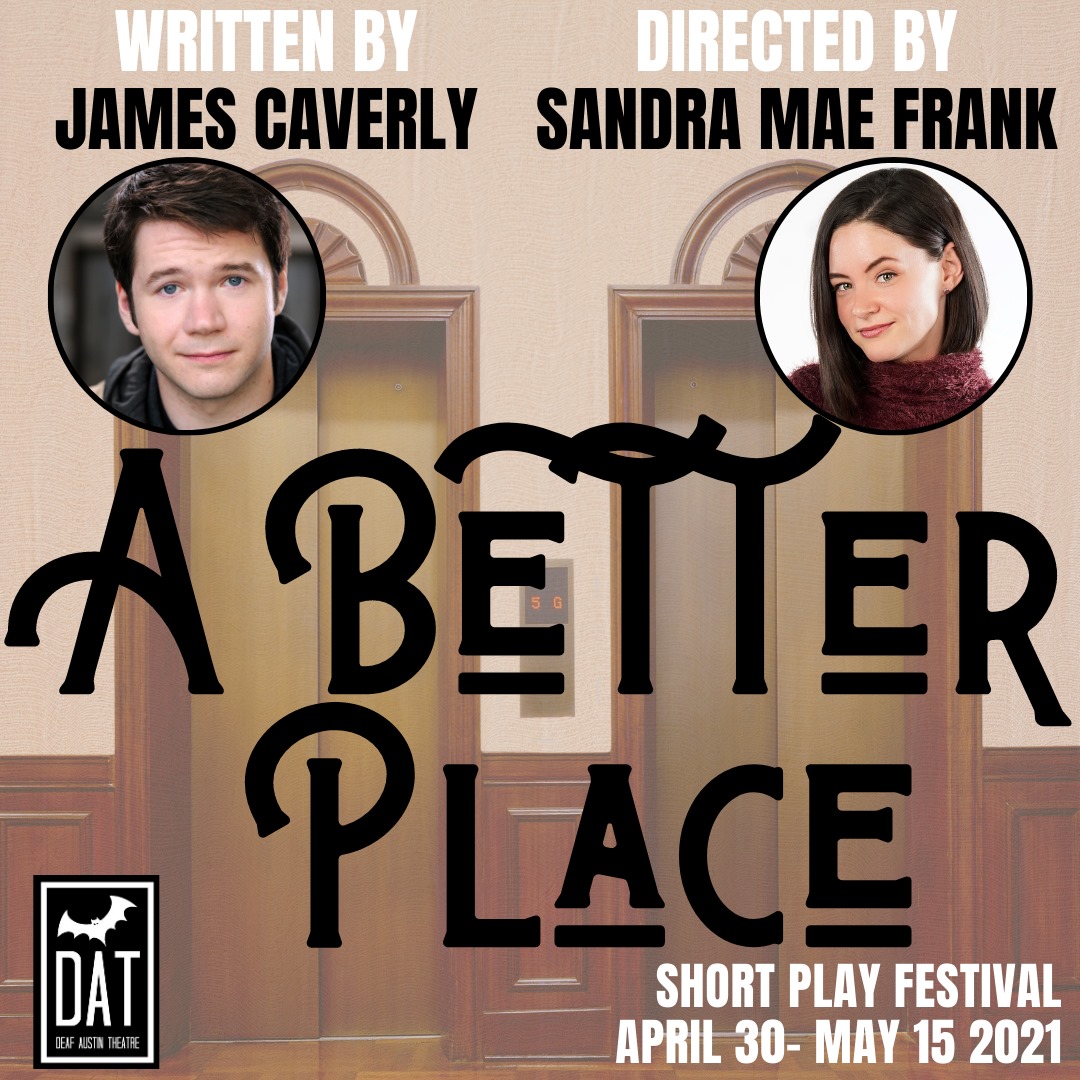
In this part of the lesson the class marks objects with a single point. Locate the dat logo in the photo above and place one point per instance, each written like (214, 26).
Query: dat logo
(96, 972)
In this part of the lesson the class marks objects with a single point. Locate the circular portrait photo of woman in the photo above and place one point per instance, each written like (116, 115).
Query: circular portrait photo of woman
(893, 296)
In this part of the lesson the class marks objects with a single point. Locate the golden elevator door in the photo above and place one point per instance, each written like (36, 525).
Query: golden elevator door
(384, 392)
(698, 728)
(378, 384)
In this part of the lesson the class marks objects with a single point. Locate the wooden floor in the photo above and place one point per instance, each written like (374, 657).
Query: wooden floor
(390, 1059)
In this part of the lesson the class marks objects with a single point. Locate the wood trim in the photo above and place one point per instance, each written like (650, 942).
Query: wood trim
(150, 680)
(136, 677)
(359, 197)
(354, 300)
(740, 270)
(540, 768)
(83, 820)
(679, 302)
(964, 720)
(60, 772)
(461, 737)
(734, 196)
(1037, 763)
(935, 486)
(131, 677)
(337, 253)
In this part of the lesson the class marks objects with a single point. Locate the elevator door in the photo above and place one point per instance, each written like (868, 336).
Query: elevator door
(697, 728)
(379, 384)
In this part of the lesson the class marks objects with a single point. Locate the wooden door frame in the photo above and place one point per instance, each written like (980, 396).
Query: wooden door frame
(149, 743)
(955, 857)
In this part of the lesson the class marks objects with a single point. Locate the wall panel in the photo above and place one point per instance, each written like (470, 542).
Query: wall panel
(57, 816)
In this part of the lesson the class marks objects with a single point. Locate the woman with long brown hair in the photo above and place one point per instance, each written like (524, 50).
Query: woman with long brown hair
(899, 304)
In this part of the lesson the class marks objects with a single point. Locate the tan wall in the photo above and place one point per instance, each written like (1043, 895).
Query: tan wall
(543, 234)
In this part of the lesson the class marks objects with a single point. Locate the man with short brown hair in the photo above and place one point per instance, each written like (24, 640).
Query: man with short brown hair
(200, 254)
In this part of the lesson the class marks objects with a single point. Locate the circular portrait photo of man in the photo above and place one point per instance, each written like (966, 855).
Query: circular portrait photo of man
(893, 296)
(186, 296)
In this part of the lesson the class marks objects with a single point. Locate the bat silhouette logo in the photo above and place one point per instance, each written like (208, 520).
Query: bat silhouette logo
(96, 928)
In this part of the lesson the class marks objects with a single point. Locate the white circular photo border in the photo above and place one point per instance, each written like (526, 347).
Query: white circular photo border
(782, 287)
